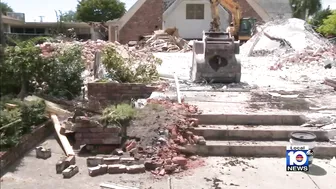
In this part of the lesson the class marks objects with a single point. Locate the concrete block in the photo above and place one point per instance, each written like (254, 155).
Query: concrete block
(116, 169)
(61, 165)
(97, 170)
(70, 171)
(134, 169)
(111, 160)
(43, 153)
(94, 161)
(70, 160)
(127, 160)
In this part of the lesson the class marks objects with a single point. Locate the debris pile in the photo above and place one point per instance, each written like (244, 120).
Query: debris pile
(157, 140)
(291, 41)
(91, 48)
(161, 140)
(161, 41)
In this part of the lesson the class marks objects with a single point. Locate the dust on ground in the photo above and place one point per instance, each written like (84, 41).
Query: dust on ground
(151, 124)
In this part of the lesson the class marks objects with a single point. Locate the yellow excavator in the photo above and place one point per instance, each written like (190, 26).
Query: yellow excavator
(241, 29)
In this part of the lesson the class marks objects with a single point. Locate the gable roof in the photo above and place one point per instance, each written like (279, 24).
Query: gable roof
(128, 15)
(266, 9)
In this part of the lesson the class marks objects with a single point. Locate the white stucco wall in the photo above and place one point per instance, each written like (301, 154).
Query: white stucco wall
(192, 28)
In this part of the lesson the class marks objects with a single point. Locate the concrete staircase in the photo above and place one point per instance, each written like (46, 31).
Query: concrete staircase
(254, 135)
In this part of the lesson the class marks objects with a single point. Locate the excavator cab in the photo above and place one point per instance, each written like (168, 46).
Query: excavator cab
(246, 29)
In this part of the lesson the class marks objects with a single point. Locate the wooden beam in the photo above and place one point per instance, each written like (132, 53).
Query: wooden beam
(64, 140)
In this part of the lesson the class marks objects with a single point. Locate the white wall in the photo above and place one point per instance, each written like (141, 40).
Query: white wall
(193, 28)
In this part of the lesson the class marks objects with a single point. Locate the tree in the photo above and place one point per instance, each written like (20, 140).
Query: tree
(318, 18)
(69, 16)
(328, 28)
(303, 8)
(99, 10)
(4, 8)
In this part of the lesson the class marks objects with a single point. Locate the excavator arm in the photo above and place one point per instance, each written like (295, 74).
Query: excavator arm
(230, 5)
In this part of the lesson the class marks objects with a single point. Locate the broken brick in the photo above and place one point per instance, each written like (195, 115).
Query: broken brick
(70, 171)
(182, 161)
(70, 160)
(111, 160)
(94, 161)
(116, 169)
(61, 165)
(97, 170)
(127, 160)
(118, 152)
(43, 153)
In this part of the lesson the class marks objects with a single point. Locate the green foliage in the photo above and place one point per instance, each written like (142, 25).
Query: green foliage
(299, 7)
(4, 8)
(118, 114)
(329, 25)
(19, 120)
(129, 70)
(69, 16)
(99, 10)
(58, 74)
(62, 73)
(318, 18)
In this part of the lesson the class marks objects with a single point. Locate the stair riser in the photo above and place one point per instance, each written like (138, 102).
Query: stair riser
(254, 151)
(260, 135)
(250, 119)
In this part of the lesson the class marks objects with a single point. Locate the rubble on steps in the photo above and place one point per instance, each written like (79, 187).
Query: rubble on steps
(156, 139)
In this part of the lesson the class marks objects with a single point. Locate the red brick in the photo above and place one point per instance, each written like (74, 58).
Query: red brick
(145, 20)
(179, 161)
(112, 129)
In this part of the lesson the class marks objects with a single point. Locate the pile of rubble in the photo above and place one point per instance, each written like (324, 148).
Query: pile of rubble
(91, 48)
(161, 41)
(291, 41)
(157, 141)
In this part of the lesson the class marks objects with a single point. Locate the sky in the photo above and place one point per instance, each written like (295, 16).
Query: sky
(33, 9)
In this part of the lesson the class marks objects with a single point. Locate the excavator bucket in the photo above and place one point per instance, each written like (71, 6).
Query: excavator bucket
(214, 59)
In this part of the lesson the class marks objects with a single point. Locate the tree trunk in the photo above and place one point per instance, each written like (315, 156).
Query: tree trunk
(24, 86)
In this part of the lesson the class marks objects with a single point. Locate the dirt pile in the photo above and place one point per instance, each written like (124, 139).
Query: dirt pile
(291, 41)
(160, 134)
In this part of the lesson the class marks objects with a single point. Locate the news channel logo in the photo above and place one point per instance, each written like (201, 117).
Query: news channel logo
(297, 158)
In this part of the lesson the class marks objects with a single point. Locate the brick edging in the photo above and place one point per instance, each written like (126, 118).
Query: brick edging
(26, 143)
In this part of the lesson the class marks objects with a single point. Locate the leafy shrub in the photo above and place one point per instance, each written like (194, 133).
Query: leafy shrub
(118, 114)
(19, 120)
(58, 74)
(329, 25)
(131, 69)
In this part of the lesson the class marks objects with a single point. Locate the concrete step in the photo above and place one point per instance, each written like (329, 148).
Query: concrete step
(260, 133)
(256, 149)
